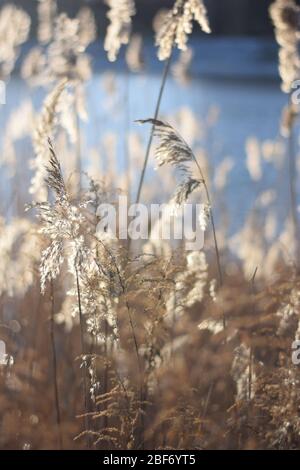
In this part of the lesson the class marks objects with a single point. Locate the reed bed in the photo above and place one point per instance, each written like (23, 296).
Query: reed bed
(107, 343)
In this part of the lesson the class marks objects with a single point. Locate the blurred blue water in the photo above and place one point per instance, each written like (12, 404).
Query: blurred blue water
(239, 76)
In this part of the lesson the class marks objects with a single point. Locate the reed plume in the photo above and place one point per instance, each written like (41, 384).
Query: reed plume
(14, 31)
(173, 30)
(286, 18)
(178, 25)
(173, 150)
(120, 15)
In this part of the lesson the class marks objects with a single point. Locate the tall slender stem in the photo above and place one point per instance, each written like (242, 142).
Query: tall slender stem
(220, 274)
(55, 375)
(157, 108)
(140, 369)
(105, 380)
(132, 331)
(250, 374)
(212, 222)
(85, 387)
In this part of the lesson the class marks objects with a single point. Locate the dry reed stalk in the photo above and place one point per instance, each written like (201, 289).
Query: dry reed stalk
(172, 37)
(285, 17)
(141, 378)
(156, 113)
(136, 347)
(173, 149)
(84, 367)
(208, 199)
(54, 363)
(105, 380)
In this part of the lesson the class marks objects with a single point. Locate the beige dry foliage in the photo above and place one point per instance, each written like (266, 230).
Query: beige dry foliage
(171, 358)
(47, 10)
(44, 130)
(120, 15)
(14, 31)
(177, 25)
(285, 16)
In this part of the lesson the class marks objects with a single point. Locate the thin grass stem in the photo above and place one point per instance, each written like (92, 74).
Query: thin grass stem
(55, 373)
(85, 386)
(157, 109)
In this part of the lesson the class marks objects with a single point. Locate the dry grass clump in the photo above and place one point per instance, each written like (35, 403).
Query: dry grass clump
(118, 345)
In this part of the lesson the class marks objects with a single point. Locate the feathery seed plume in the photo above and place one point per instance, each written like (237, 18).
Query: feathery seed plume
(178, 24)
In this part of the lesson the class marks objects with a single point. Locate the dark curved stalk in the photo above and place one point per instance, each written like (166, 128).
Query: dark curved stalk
(157, 108)
(220, 274)
(140, 374)
(105, 380)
